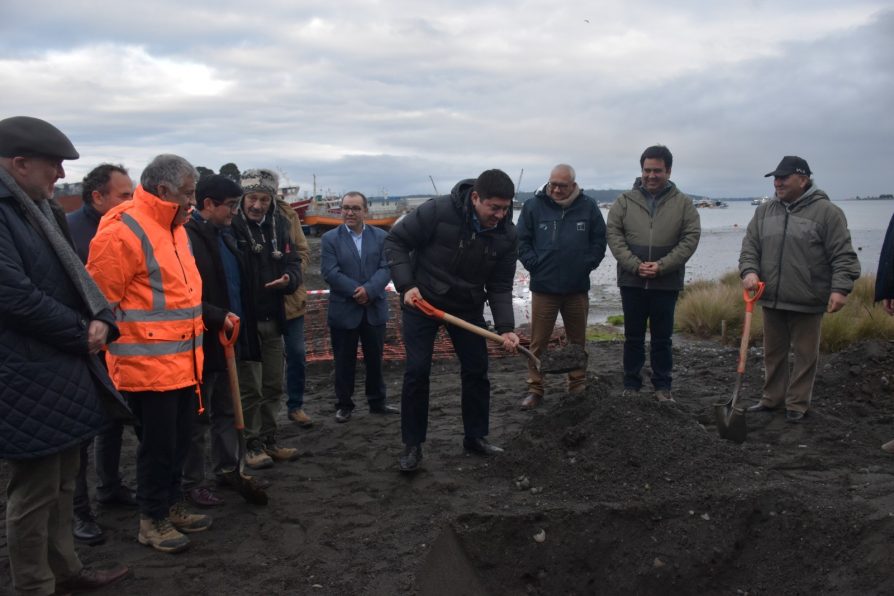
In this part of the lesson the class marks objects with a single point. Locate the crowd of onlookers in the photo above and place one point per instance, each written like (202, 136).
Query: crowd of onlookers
(118, 313)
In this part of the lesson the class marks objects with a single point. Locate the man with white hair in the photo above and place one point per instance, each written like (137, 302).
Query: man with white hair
(561, 239)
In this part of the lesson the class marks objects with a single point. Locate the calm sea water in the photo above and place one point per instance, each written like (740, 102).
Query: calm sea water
(718, 252)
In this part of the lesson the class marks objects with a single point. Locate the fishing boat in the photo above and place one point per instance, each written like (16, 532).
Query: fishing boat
(300, 204)
(325, 213)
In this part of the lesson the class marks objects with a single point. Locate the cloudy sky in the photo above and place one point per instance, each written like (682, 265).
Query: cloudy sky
(379, 95)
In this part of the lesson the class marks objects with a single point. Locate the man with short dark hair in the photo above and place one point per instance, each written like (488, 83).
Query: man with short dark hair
(217, 260)
(52, 386)
(652, 230)
(561, 239)
(106, 186)
(141, 260)
(352, 261)
(455, 252)
(272, 271)
(798, 244)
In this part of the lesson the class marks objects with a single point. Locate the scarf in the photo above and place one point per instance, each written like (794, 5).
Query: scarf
(565, 203)
(40, 215)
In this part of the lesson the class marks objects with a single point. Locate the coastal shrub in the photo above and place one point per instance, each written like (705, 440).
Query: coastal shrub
(704, 305)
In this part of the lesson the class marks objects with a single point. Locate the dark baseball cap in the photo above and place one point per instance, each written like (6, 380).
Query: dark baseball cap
(790, 164)
(217, 188)
(24, 136)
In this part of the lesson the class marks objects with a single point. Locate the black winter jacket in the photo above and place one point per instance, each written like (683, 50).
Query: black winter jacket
(204, 238)
(255, 243)
(82, 224)
(435, 248)
(51, 388)
(560, 247)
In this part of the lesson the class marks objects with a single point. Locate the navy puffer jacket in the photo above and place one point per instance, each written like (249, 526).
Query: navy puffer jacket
(50, 386)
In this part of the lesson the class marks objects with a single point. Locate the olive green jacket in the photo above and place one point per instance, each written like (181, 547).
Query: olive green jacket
(669, 236)
(802, 252)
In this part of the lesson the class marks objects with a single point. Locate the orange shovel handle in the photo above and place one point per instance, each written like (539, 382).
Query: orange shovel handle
(752, 296)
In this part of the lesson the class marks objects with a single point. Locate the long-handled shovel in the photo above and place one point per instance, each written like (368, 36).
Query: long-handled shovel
(730, 419)
(437, 313)
(250, 491)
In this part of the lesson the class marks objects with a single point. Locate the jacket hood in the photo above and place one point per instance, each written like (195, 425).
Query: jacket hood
(461, 196)
(162, 212)
(810, 195)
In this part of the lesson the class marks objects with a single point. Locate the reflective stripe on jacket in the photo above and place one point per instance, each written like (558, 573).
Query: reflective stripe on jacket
(147, 271)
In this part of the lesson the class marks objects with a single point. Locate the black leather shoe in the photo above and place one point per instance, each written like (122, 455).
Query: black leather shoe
(121, 496)
(86, 530)
(410, 458)
(342, 415)
(480, 446)
(383, 409)
(759, 408)
(88, 579)
(794, 417)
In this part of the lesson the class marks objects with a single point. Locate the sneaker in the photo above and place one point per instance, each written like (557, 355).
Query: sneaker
(86, 530)
(342, 415)
(301, 418)
(256, 459)
(203, 497)
(888, 447)
(185, 521)
(630, 392)
(279, 453)
(161, 535)
(664, 395)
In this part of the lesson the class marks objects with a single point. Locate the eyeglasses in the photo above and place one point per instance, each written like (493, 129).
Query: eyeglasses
(559, 185)
(352, 208)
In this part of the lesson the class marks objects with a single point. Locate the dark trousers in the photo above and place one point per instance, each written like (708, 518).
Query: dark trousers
(218, 418)
(107, 457)
(164, 421)
(653, 309)
(344, 349)
(419, 338)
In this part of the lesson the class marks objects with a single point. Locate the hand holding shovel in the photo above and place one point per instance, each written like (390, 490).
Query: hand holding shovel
(730, 419)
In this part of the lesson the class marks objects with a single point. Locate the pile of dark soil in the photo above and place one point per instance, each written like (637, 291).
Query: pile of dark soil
(616, 495)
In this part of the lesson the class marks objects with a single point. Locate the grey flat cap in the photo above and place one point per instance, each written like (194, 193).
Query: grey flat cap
(24, 136)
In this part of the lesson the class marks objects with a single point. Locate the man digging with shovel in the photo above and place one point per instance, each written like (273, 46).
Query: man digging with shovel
(455, 252)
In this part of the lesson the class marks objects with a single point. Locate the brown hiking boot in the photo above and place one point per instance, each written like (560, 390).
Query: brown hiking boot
(279, 453)
(301, 418)
(256, 459)
(187, 522)
(161, 535)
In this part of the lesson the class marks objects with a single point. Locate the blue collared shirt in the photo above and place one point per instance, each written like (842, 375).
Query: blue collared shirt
(357, 238)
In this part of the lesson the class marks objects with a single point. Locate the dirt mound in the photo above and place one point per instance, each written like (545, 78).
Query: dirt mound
(615, 495)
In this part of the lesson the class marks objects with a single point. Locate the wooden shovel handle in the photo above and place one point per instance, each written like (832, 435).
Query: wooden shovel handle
(228, 340)
(427, 308)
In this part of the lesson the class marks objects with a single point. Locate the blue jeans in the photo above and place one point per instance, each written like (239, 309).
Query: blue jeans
(655, 309)
(419, 334)
(296, 353)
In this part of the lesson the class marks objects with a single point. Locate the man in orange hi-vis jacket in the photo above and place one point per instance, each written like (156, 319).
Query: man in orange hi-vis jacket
(141, 260)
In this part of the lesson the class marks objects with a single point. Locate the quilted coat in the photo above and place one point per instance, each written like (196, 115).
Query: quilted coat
(51, 388)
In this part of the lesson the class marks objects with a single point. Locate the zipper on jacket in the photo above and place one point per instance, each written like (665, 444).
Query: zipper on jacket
(781, 251)
(195, 364)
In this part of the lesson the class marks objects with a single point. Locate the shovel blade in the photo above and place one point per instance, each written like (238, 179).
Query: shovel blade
(731, 423)
(565, 359)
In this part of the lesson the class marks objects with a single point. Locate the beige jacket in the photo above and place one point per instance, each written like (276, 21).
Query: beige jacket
(296, 303)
